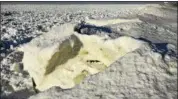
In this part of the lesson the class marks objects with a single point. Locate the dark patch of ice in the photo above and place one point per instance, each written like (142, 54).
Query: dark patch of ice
(88, 29)
(160, 48)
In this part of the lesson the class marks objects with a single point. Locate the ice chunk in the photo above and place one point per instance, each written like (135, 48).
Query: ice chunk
(64, 58)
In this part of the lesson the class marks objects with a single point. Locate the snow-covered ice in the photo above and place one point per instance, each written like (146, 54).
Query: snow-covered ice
(148, 71)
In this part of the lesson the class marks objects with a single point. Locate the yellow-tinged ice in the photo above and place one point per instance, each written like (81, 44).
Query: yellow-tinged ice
(68, 63)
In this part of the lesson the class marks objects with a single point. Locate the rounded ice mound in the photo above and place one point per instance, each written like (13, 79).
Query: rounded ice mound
(64, 58)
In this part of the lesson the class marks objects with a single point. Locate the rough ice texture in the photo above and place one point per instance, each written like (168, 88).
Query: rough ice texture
(111, 21)
(14, 79)
(142, 74)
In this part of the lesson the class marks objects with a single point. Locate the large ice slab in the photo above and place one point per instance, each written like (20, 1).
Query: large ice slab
(64, 58)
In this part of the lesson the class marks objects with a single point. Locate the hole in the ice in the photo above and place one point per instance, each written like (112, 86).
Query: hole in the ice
(160, 47)
(96, 64)
(93, 61)
(88, 29)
